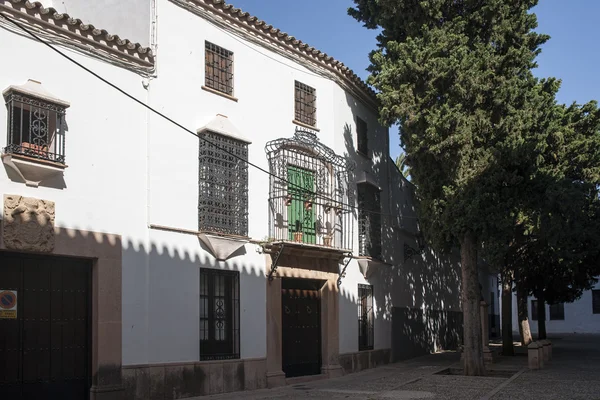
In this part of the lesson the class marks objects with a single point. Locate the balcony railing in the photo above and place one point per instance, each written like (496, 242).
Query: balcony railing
(36, 128)
(308, 194)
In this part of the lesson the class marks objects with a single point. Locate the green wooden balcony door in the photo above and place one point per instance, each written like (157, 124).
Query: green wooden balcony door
(300, 217)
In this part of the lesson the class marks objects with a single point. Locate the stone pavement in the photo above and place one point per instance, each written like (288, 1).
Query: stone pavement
(574, 373)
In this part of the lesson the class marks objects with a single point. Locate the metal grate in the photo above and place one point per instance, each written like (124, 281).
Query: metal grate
(362, 136)
(305, 104)
(557, 311)
(223, 186)
(36, 128)
(365, 317)
(218, 68)
(369, 220)
(219, 314)
(308, 197)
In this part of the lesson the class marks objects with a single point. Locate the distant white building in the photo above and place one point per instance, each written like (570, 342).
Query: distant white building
(581, 316)
(152, 263)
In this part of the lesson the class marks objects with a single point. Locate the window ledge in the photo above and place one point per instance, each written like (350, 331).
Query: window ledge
(32, 170)
(214, 91)
(222, 246)
(368, 264)
(302, 124)
(363, 154)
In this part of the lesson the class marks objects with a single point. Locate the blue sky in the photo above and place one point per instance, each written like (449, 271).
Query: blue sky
(572, 54)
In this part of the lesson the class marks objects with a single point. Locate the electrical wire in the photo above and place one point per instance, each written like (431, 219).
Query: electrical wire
(117, 88)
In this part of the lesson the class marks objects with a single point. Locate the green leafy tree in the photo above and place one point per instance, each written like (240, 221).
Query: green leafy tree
(402, 165)
(456, 77)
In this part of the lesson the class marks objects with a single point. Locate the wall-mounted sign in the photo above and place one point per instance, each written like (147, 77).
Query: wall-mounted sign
(8, 304)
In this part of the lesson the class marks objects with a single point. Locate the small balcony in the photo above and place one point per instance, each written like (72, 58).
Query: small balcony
(309, 196)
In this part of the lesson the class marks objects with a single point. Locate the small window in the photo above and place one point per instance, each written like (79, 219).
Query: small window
(36, 128)
(596, 301)
(369, 220)
(365, 317)
(305, 104)
(557, 311)
(219, 314)
(362, 136)
(223, 185)
(219, 68)
(534, 310)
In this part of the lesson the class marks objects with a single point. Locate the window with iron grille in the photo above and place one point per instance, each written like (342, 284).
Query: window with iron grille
(365, 317)
(305, 104)
(36, 128)
(219, 314)
(223, 184)
(362, 136)
(218, 72)
(369, 220)
(557, 311)
(596, 301)
(534, 310)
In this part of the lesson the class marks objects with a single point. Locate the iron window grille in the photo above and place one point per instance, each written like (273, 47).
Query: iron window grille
(223, 185)
(369, 221)
(596, 301)
(36, 128)
(365, 317)
(362, 136)
(557, 311)
(305, 100)
(309, 192)
(534, 310)
(218, 68)
(219, 314)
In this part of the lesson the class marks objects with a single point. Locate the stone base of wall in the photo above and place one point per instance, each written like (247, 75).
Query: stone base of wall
(354, 362)
(181, 380)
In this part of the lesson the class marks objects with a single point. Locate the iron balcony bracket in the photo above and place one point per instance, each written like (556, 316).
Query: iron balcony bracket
(342, 274)
(275, 261)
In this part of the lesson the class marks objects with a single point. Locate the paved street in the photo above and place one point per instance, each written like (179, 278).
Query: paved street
(573, 374)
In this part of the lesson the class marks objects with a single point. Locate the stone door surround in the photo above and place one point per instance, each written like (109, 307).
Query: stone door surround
(300, 267)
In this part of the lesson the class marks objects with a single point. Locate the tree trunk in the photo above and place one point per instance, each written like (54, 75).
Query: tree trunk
(507, 335)
(541, 314)
(473, 347)
(524, 328)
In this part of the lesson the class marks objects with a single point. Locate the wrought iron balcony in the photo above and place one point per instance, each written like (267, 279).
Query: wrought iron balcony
(309, 193)
(36, 128)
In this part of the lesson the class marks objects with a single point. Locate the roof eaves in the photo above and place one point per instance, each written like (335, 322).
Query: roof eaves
(74, 28)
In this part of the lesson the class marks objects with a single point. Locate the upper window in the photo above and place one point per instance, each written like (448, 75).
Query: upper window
(305, 99)
(223, 185)
(369, 220)
(362, 136)
(219, 68)
(365, 317)
(36, 127)
(534, 310)
(557, 311)
(596, 301)
(219, 314)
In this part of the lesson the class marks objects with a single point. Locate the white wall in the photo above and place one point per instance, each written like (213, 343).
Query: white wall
(579, 317)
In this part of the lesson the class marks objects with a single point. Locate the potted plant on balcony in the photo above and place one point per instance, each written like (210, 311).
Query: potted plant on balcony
(327, 239)
(288, 199)
(298, 232)
(308, 204)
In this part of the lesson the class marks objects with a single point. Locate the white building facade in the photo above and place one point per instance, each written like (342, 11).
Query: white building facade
(262, 233)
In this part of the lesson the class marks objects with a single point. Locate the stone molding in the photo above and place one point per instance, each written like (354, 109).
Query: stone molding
(28, 224)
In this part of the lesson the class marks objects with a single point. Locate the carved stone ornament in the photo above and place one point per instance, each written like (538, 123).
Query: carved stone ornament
(28, 224)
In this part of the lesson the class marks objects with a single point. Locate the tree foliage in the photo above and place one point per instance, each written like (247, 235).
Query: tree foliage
(456, 76)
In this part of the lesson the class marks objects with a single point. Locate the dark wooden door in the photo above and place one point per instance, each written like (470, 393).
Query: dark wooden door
(301, 323)
(44, 351)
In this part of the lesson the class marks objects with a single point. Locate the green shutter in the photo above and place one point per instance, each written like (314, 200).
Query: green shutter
(302, 183)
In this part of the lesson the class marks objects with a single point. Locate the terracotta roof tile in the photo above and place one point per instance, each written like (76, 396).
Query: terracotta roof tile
(77, 26)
